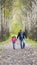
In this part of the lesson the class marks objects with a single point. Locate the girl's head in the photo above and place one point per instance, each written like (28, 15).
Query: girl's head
(14, 39)
(13, 36)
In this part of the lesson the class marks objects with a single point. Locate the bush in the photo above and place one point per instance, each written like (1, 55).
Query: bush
(30, 36)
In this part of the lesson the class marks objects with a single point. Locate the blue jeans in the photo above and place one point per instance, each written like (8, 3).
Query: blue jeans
(22, 44)
(13, 45)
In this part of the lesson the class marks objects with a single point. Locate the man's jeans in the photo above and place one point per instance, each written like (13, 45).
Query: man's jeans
(21, 43)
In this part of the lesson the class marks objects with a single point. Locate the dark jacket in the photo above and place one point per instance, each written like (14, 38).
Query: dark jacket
(23, 35)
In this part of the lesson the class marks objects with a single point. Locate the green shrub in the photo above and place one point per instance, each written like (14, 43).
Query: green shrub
(30, 35)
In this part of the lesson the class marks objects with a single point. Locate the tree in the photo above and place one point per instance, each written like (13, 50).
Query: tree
(5, 5)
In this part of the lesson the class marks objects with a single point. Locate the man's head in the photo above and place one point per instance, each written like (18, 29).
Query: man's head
(20, 30)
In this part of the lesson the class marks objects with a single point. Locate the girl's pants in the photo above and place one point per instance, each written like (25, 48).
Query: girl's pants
(13, 45)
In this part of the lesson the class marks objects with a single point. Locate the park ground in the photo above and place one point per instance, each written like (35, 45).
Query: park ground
(26, 56)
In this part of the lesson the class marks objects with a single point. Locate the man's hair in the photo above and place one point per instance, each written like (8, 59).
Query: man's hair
(20, 30)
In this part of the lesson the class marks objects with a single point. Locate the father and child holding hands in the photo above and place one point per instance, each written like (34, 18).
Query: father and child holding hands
(21, 35)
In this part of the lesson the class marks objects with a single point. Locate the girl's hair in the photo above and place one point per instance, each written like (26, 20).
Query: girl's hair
(13, 36)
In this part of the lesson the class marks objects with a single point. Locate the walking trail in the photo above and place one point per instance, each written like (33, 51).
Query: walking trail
(26, 56)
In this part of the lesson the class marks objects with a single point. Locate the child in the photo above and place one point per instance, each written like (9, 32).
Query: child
(13, 41)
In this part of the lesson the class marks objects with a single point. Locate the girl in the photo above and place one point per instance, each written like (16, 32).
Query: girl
(14, 41)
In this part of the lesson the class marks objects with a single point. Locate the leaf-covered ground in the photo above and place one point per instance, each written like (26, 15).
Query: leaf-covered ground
(26, 56)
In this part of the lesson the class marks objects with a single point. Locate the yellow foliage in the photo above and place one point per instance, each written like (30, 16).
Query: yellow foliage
(16, 26)
(17, 5)
(7, 13)
(17, 30)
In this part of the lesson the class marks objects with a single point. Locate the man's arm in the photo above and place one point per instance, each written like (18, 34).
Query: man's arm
(18, 35)
(25, 34)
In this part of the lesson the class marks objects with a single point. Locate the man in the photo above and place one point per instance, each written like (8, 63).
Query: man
(21, 36)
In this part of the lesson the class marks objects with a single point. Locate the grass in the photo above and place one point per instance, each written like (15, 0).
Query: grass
(32, 42)
(29, 41)
(5, 42)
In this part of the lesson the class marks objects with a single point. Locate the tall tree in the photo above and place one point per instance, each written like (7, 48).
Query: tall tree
(6, 7)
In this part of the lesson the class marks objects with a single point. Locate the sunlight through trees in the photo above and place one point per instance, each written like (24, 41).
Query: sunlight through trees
(22, 11)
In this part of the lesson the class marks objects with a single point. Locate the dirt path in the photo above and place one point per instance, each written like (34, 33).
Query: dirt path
(26, 56)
